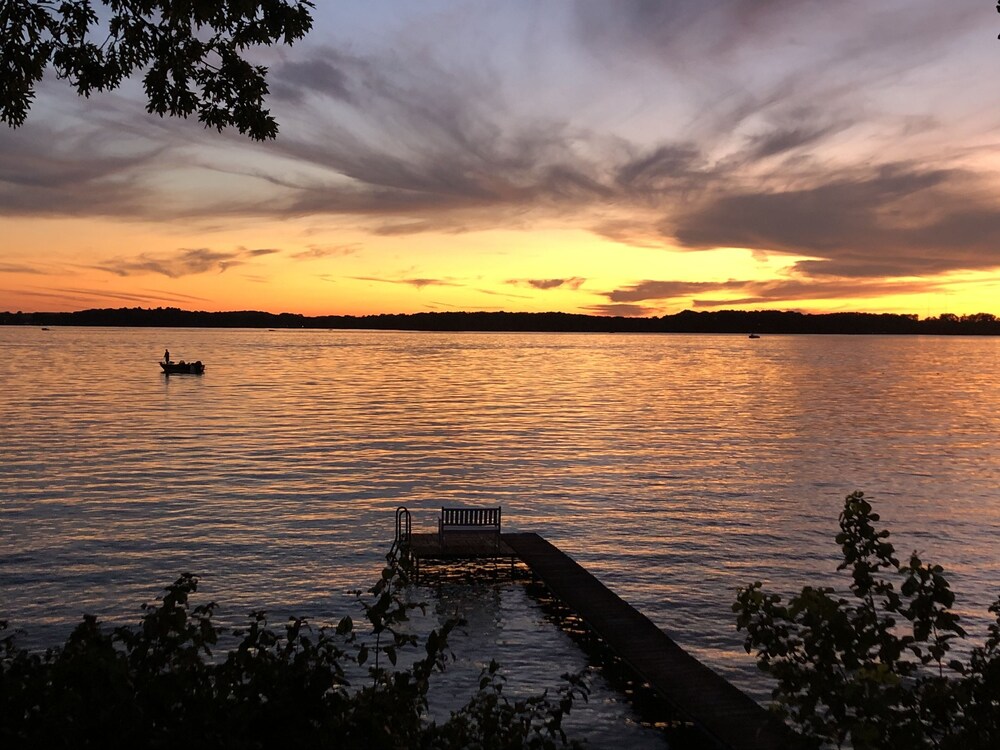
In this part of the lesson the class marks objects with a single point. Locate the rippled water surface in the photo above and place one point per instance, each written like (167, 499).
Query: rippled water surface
(674, 467)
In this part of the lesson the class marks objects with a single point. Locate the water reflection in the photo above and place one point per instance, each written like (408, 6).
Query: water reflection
(516, 622)
(675, 468)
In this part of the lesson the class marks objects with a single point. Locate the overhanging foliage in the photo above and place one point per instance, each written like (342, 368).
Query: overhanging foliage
(191, 54)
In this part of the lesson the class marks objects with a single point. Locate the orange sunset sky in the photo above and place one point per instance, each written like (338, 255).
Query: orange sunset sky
(625, 157)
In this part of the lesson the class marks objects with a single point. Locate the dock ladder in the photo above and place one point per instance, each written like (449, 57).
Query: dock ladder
(401, 544)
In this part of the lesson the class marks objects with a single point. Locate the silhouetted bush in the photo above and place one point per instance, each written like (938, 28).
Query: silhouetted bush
(161, 685)
(873, 671)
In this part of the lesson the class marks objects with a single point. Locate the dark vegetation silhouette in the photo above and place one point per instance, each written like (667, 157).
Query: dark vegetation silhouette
(724, 321)
(192, 54)
(163, 684)
(873, 671)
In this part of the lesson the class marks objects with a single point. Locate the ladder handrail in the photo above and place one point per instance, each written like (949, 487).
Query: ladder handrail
(402, 524)
(403, 530)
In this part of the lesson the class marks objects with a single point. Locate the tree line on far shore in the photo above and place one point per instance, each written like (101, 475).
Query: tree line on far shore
(688, 321)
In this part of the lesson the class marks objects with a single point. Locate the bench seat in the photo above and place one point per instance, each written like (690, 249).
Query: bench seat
(469, 521)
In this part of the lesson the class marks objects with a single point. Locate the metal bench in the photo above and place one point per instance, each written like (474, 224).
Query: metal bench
(469, 521)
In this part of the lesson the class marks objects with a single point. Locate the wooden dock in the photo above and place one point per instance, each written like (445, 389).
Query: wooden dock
(475, 545)
(718, 708)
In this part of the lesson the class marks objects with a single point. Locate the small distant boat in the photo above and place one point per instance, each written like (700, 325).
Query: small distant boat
(183, 368)
(753, 336)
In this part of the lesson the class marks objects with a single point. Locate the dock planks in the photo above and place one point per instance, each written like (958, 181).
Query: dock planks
(719, 708)
(459, 545)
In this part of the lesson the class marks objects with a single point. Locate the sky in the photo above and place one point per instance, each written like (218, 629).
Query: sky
(611, 157)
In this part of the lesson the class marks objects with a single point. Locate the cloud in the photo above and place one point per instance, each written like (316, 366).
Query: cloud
(754, 292)
(622, 310)
(315, 252)
(890, 220)
(419, 283)
(647, 290)
(45, 171)
(419, 140)
(663, 169)
(101, 296)
(295, 81)
(19, 268)
(695, 39)
(781, 140)
(437, 160)
(396, 229)
(820, 218)
(185, 262)
(573, 282)
(640, 231)
(508, 295)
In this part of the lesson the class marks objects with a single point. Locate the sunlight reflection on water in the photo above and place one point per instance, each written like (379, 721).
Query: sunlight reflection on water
(675, 468)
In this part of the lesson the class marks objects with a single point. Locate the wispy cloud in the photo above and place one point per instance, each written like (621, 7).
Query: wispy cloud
(296, 81)
(419, 283)
(508, 295)
(747, 292)
(49, 172)
(316, 252)
(573, 282)
(100, 296)
(665, 290)
(184, 262)
(623, 310)
(19, 268)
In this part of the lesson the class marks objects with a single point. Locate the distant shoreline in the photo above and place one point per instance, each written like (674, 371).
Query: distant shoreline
(724, 321)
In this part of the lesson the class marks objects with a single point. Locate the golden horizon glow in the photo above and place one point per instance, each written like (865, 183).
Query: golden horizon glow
(359, 274)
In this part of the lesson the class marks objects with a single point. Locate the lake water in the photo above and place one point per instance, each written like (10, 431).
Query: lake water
(674, 467)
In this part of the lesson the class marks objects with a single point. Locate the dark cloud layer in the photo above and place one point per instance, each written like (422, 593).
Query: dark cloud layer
(893, 220)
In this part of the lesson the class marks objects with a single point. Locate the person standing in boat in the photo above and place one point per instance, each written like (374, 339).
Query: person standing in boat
(166, 356)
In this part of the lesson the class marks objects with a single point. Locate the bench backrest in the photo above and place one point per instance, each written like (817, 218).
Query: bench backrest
(486, 519)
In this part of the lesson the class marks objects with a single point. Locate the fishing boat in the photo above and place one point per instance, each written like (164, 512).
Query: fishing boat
(753, 336)
(183, 368)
